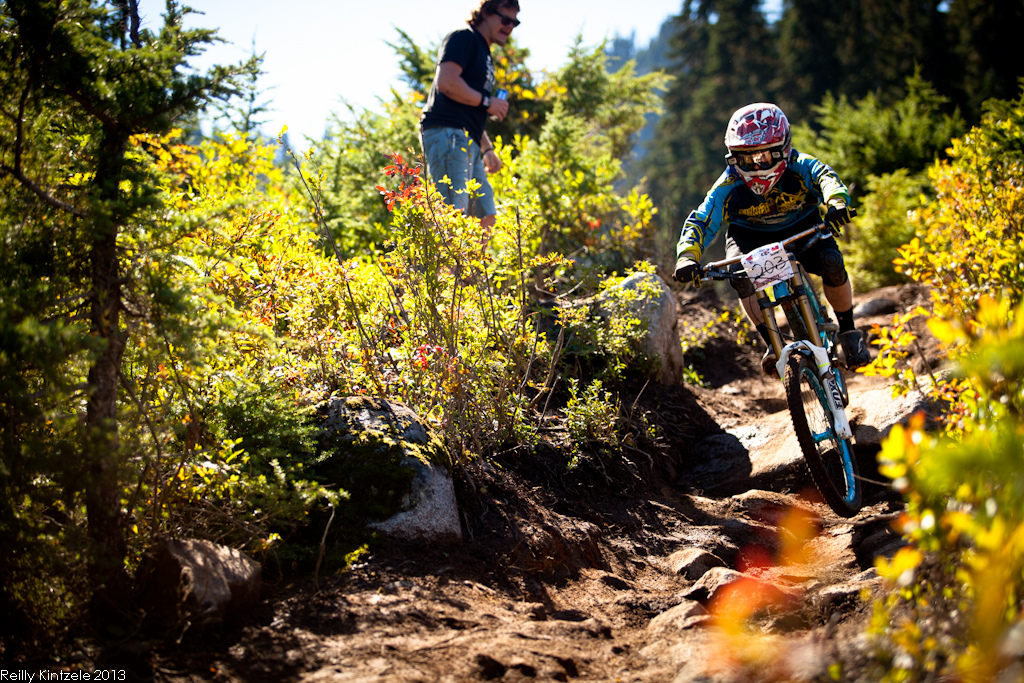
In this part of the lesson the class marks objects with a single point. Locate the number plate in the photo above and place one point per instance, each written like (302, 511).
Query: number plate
(768, 265)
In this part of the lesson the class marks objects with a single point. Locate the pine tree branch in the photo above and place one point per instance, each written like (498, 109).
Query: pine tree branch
(16, 171)
(40, 192)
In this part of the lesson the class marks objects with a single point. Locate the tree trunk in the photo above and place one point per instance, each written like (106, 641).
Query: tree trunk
(101, 448)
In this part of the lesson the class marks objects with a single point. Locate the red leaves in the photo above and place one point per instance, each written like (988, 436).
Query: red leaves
(424, 353)
(400, 167)
(408, 177)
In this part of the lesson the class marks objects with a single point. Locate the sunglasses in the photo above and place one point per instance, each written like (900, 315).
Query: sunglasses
(756, 161)
(508, 21)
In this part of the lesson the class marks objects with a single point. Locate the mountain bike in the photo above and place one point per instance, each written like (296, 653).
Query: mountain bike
(808, 363)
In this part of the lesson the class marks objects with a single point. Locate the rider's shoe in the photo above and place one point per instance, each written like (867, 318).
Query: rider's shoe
(854, 348)
(768, 363)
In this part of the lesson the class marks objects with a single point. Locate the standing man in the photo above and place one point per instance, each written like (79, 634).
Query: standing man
(769, 192)
(461, 98)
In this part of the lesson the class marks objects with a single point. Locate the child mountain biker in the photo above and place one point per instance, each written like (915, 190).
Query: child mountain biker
(768, 192)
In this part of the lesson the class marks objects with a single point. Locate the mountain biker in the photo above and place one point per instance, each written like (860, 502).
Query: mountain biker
(768, 192)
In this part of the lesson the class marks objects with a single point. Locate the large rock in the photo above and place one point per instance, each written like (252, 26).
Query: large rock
(876, 306)
(875, 411)
(185, 583)
(847, 595)
(651, 301)
(693, 563)
(393, 466)
(683, 616)
(430, 512)
(753, 590)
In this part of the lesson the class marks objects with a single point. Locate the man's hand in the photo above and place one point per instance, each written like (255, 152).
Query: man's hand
(837, 216)
(687, 271)
(492, 162)
(498, 108)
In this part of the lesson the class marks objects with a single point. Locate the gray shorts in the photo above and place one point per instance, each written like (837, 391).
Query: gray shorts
(451, 153)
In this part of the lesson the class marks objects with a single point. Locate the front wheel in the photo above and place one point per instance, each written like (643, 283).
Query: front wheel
(796, 322)
(829, 457)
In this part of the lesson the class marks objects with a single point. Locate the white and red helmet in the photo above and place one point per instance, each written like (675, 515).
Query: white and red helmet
(759, 142)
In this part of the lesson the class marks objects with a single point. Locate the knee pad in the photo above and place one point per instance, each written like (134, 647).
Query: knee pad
(833, 270)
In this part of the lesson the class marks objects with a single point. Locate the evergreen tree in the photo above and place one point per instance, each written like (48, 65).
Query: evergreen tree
(613, 103)
(857, 47)
(880, 42)
(809, 64)
(722, 59)
(652, 58)
(81, 78)
(415, 63)
(246, 113)
(986, 35)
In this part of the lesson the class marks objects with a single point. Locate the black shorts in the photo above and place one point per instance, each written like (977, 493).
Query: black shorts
(823, 258)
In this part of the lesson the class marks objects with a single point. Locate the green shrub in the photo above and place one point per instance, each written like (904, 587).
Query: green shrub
(869, 137)
(883, 225)
(591, 416)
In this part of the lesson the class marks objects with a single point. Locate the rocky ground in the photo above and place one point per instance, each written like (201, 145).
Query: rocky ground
(709, 559)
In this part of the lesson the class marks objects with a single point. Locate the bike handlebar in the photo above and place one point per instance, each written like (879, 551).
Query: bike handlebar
(718, 269)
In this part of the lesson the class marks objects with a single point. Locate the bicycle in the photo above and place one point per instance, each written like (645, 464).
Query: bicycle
(809, 364)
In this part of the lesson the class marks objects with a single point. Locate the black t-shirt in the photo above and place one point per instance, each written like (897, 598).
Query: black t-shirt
(467, 48)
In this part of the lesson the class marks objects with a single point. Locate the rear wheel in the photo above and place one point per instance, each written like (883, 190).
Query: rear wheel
(829, 457)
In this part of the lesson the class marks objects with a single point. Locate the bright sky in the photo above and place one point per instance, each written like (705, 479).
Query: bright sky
(320, 52)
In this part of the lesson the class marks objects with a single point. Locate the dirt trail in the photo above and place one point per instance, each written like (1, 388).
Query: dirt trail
(603, 575)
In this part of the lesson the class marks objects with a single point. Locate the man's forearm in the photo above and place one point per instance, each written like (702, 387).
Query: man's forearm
(455, 87)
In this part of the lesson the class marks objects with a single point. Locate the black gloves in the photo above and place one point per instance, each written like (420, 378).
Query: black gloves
(837, 216)
(687, 271)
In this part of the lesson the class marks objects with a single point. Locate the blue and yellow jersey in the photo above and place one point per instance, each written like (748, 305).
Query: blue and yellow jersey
(806, 183)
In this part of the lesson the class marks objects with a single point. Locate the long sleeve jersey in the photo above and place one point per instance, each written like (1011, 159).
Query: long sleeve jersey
(806, 183)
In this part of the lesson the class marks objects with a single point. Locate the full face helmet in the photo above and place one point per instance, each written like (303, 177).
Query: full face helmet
(759, 142)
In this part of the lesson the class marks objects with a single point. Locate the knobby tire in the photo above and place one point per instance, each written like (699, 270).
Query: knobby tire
(829, 458)
(796, 322)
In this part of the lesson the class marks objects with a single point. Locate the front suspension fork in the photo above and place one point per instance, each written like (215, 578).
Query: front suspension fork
(767, 307)
(825, 371)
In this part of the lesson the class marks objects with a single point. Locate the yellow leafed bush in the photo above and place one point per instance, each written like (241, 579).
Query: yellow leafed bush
(959, 601)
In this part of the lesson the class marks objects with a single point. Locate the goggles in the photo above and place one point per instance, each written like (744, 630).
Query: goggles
(760, 160)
